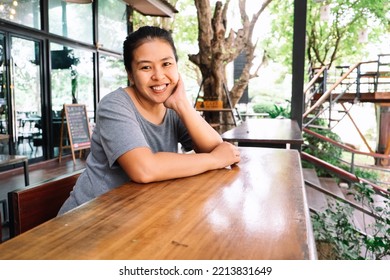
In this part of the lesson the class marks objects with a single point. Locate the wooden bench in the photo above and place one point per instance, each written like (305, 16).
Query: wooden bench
(36, 204)
(1, 230)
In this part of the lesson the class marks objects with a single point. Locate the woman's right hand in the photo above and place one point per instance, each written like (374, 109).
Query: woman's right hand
(226, 154)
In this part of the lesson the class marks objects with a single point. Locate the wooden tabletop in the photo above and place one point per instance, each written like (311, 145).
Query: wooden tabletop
(265, 131)
(4, 137)
(6, 160)
(255, 210)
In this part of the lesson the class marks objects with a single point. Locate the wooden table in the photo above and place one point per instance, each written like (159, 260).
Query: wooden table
(276, 133)
(7, 160)
(255, 210)
(4, 137)
(3, 140)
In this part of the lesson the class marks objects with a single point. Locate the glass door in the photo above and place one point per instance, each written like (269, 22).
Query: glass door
(26, 97)
(4, 135)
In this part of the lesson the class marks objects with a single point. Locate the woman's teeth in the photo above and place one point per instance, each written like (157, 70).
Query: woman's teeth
(157, 88)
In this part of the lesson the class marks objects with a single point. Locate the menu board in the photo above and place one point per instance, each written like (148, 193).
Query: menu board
(78, 125)
(78, 131)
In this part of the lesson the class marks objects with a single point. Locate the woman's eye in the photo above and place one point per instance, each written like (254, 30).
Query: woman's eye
(167, 63)
(145, 67)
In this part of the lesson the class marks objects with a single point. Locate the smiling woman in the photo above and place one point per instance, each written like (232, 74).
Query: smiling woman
(139, 127)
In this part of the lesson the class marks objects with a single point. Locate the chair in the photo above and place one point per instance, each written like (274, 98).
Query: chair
(36, 204)
(1, 230)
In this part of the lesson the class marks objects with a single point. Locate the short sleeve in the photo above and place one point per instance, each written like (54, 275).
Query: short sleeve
(119, 128)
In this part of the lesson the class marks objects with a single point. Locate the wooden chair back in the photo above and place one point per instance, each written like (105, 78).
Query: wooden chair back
(36, 204)
(1, 230)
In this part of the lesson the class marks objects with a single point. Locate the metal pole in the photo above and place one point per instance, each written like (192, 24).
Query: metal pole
(298, 62)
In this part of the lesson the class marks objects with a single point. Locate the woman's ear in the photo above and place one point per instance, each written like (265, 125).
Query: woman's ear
(130, 78)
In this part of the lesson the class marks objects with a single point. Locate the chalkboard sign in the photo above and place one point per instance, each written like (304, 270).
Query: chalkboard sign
(78, 131)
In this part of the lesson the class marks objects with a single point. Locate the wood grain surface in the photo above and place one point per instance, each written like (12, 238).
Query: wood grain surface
(265, 131)
(254, 210)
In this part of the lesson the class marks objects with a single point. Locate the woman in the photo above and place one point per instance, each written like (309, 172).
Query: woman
(138, 128)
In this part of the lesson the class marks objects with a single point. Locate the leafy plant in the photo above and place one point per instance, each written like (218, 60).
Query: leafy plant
(279, 111)
(378, 242)
(335, 228)
(336, 234)
(261, 108)
(273, 110)
(322, 149)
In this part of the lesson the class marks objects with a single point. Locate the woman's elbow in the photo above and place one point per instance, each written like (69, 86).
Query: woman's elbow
(142, 177)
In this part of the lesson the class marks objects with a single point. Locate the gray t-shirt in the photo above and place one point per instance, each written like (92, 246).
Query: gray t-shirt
(121, 128)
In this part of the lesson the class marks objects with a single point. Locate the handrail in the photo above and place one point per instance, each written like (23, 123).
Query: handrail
(367, 62)
(335, 196)
(329, 91)
(342, 173)
(334, 169)
(312, 81)
(345, 147)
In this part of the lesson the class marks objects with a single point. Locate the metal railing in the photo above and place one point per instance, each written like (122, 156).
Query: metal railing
(361, 78)
(376, 157)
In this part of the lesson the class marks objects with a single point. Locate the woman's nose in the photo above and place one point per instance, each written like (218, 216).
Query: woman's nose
(157, 74)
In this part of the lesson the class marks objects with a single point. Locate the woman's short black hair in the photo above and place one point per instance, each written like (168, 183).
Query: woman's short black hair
(143, 34)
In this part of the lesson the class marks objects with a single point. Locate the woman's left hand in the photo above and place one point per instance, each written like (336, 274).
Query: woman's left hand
(177, 97)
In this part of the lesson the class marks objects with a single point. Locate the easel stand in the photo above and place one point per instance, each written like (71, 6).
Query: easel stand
(203, 107)
(74, 117)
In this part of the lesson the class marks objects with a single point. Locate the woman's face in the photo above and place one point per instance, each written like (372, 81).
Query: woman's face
(154, 71)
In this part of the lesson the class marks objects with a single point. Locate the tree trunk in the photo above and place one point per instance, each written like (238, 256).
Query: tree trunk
(217, 48)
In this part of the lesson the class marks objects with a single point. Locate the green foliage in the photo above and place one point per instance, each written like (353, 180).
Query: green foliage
(322, 149)
(273, 110)
(261, 108)
(328, 41)
(330, 153)
(366, 174)
(280, 111)
(186, 24)
(335, 227)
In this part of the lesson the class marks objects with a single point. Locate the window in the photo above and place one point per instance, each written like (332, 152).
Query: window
(22, 12)
(112, 74)
(70, 20)
(71, 77)
(112, 24)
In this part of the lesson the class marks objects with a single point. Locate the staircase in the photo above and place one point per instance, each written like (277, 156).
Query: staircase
(367, 81)
(329, 99)
(323, 192)
(318, 201)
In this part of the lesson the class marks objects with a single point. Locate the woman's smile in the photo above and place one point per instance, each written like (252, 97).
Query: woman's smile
(160, 88)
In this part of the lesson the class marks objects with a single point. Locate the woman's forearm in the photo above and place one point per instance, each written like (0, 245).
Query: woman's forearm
(143, 166)
(204, 137)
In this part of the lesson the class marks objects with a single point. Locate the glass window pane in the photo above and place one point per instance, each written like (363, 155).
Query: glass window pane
(112, 24)
(21, 12)
(71, 77)
(71, 80)
(71, 20)
(3, 94)
(26, 80)
(112, 74)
